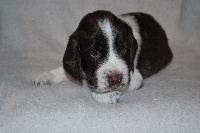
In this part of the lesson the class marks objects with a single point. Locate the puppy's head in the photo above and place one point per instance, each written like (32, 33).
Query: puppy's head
(103, 49)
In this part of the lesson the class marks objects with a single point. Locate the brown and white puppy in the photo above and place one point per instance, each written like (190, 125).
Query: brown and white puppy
(112, 53)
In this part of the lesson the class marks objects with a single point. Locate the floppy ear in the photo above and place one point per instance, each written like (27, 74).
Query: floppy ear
(134, 47)
(72, 60)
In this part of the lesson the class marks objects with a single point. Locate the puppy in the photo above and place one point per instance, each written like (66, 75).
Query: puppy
(112, 53)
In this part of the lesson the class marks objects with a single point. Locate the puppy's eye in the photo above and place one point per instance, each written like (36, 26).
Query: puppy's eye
(95, 53)
(123, 50)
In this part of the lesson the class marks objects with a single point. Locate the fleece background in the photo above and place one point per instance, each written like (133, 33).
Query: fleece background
(33, 38)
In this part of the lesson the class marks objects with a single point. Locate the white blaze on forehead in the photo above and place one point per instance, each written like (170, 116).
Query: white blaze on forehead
(113, 62)
(108, 32)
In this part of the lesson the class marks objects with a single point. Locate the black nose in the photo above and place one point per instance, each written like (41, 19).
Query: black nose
(114, 80)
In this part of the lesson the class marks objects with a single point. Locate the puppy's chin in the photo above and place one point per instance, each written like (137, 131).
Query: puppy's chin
(94, 88)
(107, 90)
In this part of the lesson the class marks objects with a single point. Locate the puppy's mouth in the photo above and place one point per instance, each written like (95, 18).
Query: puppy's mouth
(120, 88)
(111, 82)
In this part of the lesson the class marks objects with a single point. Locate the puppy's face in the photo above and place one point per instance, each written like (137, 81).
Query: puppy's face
(102, 48)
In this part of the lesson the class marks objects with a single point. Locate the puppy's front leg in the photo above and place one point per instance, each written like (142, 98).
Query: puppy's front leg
(54, 76)
(109, 97)
(136, 80)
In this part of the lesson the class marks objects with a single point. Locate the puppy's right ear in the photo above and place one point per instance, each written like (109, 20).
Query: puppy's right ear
(72, 60)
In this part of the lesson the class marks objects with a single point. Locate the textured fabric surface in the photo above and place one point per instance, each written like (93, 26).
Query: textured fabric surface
(33, 38)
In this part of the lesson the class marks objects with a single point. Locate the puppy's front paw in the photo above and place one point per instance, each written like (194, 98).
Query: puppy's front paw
(110, 97)
(43, 79)
(136, 80)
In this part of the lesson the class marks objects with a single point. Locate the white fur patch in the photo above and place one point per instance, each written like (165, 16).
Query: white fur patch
(55, 76)
(136, 80)
(113, 62)
(107, 30)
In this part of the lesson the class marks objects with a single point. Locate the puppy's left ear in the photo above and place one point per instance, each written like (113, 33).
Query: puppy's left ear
(72, 60)
(134, 47)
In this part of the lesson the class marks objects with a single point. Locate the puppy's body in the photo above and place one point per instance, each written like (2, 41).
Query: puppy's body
(113, 53)
(154, 53)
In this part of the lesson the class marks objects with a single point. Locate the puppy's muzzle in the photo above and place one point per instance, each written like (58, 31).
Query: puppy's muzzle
(114, 80)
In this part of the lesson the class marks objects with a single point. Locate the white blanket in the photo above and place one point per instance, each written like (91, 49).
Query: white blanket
(33, 38)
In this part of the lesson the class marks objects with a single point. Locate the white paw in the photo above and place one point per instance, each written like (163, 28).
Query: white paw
(136, 80)
(110, 97)
(43, 79)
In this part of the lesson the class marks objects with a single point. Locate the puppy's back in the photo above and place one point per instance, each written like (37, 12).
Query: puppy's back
(155, 52)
